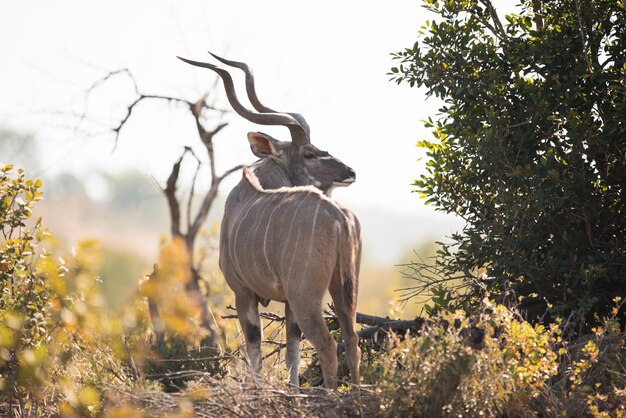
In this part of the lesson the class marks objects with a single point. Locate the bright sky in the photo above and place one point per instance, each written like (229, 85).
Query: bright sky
(327, 60)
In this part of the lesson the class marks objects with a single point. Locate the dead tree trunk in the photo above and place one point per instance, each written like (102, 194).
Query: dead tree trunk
(194, 221)
(155, 315)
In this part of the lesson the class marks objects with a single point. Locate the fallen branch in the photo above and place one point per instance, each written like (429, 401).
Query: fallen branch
(265, 315)
(398, 326)
(377, 323)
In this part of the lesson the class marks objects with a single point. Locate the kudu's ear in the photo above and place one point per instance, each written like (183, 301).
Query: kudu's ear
(264, 146)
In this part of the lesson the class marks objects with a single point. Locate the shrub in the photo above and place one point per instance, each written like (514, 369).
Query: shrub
(25, 300)
(58, 345)
(175, 364)
(61, 347)
(592, 373)
(442, 372)
(528, 145)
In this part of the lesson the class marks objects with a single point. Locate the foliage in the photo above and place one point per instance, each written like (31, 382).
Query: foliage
(529, 144)
(24, 299)
(444, 372)
(56, 337)
(64, 352)
(592, 376)
(175, 364)
(61, 347)
(179, 358)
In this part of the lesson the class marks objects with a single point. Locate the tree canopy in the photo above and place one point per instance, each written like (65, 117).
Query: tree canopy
(529, 144)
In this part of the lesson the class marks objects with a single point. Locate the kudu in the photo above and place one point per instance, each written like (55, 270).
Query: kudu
(284, 239)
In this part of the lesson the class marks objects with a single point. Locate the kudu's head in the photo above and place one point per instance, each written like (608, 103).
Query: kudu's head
(303, 163)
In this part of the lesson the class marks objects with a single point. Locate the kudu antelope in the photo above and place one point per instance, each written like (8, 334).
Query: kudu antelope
(284, 239)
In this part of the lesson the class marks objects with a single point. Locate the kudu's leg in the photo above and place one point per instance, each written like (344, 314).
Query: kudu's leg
(293, 346)
(308, 314)
(346, 314)
(248, 313)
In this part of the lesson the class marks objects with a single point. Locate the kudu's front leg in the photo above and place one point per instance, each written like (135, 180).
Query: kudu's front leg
(248, 313)
(293, 346)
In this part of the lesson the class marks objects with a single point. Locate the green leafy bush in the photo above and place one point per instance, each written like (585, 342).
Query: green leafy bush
(592, 373)
(59, 347)
(444, 371)
(63, 352)
(529, 145)
(175, 364)
(25, 301)
(62, 349)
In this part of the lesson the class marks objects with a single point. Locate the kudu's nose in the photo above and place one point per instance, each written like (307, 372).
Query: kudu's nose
(350, 176)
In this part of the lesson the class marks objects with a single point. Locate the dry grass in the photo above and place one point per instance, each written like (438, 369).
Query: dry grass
(236, 397)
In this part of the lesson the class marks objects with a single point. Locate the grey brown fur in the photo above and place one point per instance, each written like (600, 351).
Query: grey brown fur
(283, 238)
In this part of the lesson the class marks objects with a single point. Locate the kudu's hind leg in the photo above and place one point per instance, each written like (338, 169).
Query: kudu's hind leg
(248, 313)
(294, 335)
(347, 321)
(311, 321)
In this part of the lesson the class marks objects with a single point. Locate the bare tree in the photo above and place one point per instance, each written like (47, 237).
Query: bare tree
(184, 226)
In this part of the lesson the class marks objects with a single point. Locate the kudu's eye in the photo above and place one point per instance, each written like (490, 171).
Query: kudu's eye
(309, 156)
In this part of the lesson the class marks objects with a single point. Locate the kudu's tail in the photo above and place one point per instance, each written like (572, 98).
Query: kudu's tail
(350, 261)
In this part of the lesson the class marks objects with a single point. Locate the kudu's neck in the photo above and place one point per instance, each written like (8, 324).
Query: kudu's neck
(272, 175)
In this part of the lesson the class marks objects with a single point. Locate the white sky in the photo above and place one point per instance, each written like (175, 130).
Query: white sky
(324, 59)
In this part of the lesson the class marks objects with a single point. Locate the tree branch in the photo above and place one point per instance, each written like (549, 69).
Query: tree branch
(140, 98)
(203, 212)
(129, 110)
(392, 325)
(378, 323)
(192, 224)
(170, 195)
(497, 29)
(155, 316)
(193, 188)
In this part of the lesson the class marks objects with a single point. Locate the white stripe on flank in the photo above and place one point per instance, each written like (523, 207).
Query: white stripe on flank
(237, 218)
(252, 235)
(236, 235)
(312, 235)
(293, 255)
(286, 242)
(267, 228)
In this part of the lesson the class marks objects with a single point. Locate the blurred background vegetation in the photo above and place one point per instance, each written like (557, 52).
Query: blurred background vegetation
(128, 215)
(523, 311)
